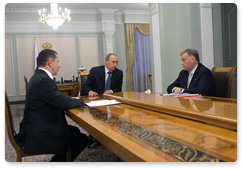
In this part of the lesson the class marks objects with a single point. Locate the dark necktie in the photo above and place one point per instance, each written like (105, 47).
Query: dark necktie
(108, 82)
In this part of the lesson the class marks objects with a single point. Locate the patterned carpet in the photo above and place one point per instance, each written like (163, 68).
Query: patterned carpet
(96, 153)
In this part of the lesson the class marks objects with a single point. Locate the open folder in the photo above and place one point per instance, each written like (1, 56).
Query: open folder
(102, 103)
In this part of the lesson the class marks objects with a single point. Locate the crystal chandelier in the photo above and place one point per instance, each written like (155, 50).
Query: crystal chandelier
(56, 17)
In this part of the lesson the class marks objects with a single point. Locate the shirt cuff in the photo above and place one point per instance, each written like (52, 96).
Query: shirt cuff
(173, 90)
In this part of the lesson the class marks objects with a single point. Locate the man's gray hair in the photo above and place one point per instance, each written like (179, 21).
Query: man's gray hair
(192, 52)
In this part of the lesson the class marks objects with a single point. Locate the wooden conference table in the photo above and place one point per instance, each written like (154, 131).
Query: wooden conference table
(155, 128)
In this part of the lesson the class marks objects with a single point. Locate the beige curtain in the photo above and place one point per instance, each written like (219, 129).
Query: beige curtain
(130, 30)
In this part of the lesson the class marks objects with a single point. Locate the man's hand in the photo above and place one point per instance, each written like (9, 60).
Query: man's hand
(107, 92)
(178, 90)
(93, 94)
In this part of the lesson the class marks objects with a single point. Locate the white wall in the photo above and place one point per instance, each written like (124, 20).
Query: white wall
(88, 46)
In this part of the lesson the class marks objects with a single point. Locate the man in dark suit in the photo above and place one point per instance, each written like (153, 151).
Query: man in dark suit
(195, 78)
(44, 129)
(98, 81)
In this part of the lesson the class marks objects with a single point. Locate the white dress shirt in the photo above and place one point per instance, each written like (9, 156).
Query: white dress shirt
(48, 73)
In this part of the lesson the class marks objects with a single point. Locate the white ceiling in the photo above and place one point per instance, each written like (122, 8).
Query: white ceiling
(91, 6)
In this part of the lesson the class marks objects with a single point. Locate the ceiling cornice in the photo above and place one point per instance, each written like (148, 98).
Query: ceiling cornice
(138, 12)
(78, 11)
(37, 27)
(21, 10)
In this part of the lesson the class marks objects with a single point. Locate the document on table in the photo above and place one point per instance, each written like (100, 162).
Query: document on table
(102, 103)
(183, 95)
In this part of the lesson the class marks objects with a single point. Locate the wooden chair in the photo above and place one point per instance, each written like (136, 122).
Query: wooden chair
(26, 82)
(223, 78)
(150, 80)
(12, 134)
(82, 76)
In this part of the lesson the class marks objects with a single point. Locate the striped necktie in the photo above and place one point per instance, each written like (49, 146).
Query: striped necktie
(108, 82)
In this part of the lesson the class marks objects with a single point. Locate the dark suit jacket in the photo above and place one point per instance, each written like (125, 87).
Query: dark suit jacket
(44, 128)
(96, 80)
(202, 82)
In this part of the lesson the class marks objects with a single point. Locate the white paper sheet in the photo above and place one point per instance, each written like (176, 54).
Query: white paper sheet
(102, 103)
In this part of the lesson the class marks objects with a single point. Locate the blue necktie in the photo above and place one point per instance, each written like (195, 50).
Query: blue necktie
(108, 82)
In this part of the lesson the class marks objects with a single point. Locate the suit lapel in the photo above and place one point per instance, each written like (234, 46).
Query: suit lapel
(195, 76)
(102, 75)
(185, 81)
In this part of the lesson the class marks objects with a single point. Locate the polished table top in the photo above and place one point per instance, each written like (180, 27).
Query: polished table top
(221, 113)
(139, 134)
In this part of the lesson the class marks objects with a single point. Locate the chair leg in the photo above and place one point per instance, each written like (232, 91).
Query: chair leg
(69, 155)
(19, 157)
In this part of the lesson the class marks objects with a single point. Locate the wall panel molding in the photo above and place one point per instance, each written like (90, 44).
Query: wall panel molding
(9, 68)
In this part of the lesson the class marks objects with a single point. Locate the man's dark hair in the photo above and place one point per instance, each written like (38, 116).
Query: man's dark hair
(108, 56)
(192, 52)
(45, 55)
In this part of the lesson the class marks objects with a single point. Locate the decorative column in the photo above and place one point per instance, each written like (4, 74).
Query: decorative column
(108, 28)
(207, 35)
(157, 46)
